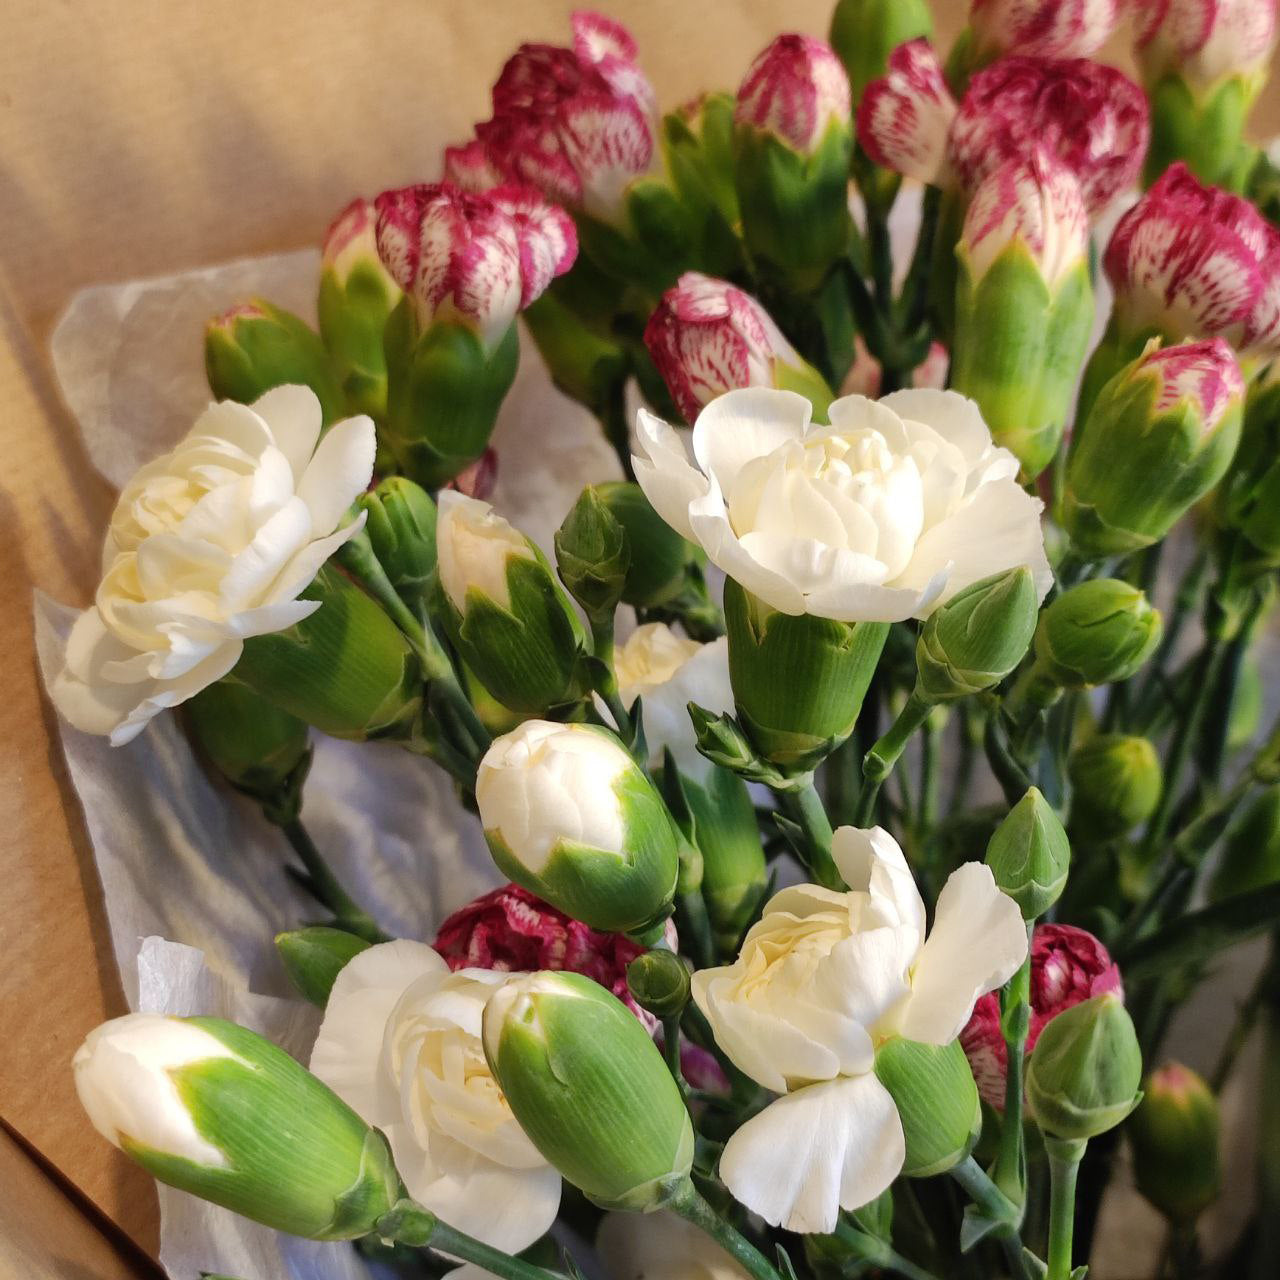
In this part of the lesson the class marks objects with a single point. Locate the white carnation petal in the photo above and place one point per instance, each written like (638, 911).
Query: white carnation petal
(956, 418)
(872, 862)
(664, 473)
(88, 702)
(171, 693)
(250, 573)
(226, 427)
(998, 529)
(712, 529)
(339, 472)
(809, 1154)
(863, 602)
(270, 618)
(294, 415)
(306, 564)
(858, 413)
(977, 943)
(866, 975)
(744, 424)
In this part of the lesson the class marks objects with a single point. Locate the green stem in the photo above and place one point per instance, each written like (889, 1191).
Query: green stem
(878, 763)
(804, 807)
(928, 815)
(1242, 1029)
(1185, 603)
(617, 428)
(607, 681)
(1009, 1172)
(999, 1208)
(872, 1249)
(671, 1052)
(326, 887)
(1064, 1165)
(1011, 776)
(694, 1209)
(409, 1224)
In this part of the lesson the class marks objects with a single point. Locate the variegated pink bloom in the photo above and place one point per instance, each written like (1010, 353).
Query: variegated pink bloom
(795, 89)
(471, 166)
(604, 43)
(905, 116)
(473, 258)
(708, 337)
(1204, 373)
(1205, 40)
(1068, 965)
(351, 241)
(1092, 117)
(1043, 28)
(1036, 201)
(1192, 260)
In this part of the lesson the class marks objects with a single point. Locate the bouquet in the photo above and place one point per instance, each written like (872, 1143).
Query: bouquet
(862, 819)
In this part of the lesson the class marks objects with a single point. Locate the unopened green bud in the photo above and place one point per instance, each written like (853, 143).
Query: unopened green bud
(1160, 434)
(977, 638)
(1097, 632)
(313, 957)
(865, 32)
(659, 980)
(798, 682)
(1084, 1074)
(400, 524)
(1029, 855)
(659, 556)
(1251, 853)
(590, 1088)
(1116, 782)
(593, 554)
(346, 669)
(257, 346)
(1174, 1135)
(510, 620)
(258, 748)
(214, 1109)
(697, 145)
(569, 815)
(932, 1087)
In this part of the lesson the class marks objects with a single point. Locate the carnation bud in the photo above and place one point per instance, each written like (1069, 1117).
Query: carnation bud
(510, 620)
(593, 554)
(792, 141)
(1029, 855)
(1116, 783)
(400, 524)
(1085, 1070)
(1251, 854)
(978, 637)
(216, 1110)
(697, 147)
(257, 346)
(357, 294)
(569, 815)
(1041, 28)
(659, 981)
(865, 32)
(313, 957)
(937, 1101)
(659, 556)
(1159, 436)
(796, 721)
(1174, 1136)
(904, 119)
(258, 748)
(590, 1088)
(1097, 632)
(1024, 305)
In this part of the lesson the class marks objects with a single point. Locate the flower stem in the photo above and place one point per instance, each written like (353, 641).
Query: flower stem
(325, 886)
(804, 807)
(1009, 1172)
(1064, 1165)
(997, 1207)
(872, 1249)
(878, 763)
(694, 1209)
(410, 1224)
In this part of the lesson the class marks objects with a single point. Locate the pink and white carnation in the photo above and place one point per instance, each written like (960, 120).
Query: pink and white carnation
(1204, 373)
(1068, 965)
(1191, 260)
(905, 116)
(795, 89)
(1205, 40)
(474, 259)
(1043, 28)
(351, 240)
(707, 337)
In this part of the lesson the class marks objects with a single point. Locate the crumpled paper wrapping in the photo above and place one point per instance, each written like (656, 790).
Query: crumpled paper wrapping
(192, 875)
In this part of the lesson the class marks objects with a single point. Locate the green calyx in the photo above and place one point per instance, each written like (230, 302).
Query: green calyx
(590, 1088)
(865, 32)
(794, 723)
(299, 1159)
(1084, 1074)
(261, 346)
(353, 312)
(585, 363)
(1205, 130)
(314, 956)
(1174, 1136)
(1098, 632)
(1018, 348)
(1029, 855)
(977, 638)
(1116, 782)
(659, 981)
(937, 1100)
(593, 554)
(400, 523)
(658, 566)
(444, 390)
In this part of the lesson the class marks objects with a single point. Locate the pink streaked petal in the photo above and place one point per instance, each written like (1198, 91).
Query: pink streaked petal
(350, 224)
(626, 80)
(547, 238)
(1046, 28)
(1205, 373)
(608, 142)
(538, 77)
(473, 167)
(794, 89)
(531, 150)
(398, 231)
(596, 36)
(905, 116)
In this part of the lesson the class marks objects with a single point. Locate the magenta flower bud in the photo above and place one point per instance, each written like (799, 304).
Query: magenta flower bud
(1206, 41)
(472, 166)
(1091, 117)
(905, 116)
(1068, 965)
(708, 337)
(1042, 28)
(1190, 260)
(795, 89)
(350, 240)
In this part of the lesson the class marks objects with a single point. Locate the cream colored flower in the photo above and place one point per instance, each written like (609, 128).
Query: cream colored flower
(209, 545)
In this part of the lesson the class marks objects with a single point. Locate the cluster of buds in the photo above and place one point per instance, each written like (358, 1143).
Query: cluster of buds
(1203, 63)
(467, 264)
